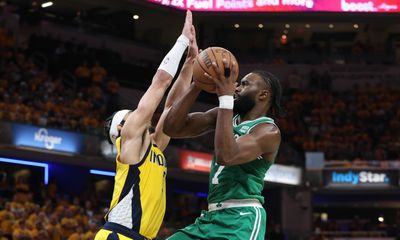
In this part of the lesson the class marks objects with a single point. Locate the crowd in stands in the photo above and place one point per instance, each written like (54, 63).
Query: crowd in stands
(88, 64)
(365, 227)
(33, 94)
(41, 213)
(33, 211)
(361, 123)
(30, 211)
(316, 51)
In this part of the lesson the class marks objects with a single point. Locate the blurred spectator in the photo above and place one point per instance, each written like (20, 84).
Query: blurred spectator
(294, 81)
(83, 73)
(98, 73)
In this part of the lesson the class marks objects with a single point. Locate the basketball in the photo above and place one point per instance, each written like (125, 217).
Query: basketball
(203, 65)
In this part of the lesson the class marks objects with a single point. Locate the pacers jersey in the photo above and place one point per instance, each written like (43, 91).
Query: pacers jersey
(138, 201)
(244, 181)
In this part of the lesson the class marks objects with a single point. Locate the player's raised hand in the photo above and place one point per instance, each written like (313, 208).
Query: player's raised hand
(186, 31)
(193, 48)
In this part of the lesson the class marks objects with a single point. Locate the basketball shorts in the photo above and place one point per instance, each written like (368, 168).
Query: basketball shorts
(236, 223)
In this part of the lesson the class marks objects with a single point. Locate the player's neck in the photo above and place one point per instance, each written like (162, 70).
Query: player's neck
(251, 115)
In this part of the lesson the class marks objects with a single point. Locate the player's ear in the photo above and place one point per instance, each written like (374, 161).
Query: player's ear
(263, 95)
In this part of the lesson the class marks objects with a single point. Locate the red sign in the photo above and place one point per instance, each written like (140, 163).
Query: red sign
(197, 161)
(284, 5)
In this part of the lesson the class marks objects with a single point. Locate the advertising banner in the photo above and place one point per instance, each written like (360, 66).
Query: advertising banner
(196, 161)
(284, 174)
(381, 6)
(46, 138)
(360, 178)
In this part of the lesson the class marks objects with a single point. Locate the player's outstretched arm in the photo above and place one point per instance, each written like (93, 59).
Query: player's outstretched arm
(176, 120)
(181, 84)
(138, 121)
(141, 117)
(179, 123)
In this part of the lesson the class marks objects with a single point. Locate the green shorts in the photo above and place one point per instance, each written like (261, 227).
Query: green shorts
(236, 223)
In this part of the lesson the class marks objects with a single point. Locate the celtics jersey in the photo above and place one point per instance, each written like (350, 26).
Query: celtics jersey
(242, 181)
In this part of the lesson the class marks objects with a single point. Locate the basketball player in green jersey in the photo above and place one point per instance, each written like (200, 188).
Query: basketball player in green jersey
(139, 199)
(246, 144)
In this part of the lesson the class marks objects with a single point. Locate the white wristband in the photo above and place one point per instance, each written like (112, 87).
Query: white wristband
(226, 102)
(171, 61)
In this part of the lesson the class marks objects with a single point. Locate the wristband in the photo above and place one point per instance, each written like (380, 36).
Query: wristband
(226, 102)
(171, 61)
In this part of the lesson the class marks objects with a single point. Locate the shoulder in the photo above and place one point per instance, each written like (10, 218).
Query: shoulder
(268, 138)
(266, 130)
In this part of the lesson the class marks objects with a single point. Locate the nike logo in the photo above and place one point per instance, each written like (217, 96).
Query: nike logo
(244, 213)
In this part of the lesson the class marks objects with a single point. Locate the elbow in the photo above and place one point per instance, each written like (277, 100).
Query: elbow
(222, 159)
(162, 79)
(167, 126)
(168, 129)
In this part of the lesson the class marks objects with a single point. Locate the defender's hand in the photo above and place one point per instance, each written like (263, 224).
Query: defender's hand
(193, 48)
(186, 31)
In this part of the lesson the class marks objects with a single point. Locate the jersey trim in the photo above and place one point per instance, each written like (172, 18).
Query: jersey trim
(251, 128)
(144, 156)
(137, 209)
(266, 119)
(234, 203)
(138, 164)
(115, 227)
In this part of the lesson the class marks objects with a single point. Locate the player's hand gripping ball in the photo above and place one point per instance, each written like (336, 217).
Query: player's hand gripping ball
(203, 64)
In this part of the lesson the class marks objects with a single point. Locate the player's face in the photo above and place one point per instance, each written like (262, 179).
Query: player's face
(245, 94)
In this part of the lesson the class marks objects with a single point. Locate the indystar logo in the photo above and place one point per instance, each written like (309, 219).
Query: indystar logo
(42, 135)
(358, 178)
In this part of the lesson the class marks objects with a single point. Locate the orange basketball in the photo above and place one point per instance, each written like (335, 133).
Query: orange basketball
(203, 63)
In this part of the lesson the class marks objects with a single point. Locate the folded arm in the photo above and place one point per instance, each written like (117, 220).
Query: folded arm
(179, 123)
(263, 140)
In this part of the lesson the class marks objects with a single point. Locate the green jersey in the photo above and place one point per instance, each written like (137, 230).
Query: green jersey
(242, 181)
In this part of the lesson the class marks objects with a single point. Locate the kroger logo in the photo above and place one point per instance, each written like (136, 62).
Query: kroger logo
(42, 135)
(358, 178)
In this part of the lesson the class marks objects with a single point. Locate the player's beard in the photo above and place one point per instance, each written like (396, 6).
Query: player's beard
(243, 104)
